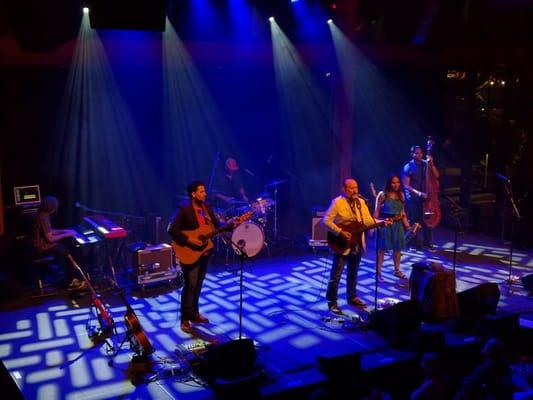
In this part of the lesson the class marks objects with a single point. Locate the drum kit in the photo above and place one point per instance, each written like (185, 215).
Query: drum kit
(251, 233)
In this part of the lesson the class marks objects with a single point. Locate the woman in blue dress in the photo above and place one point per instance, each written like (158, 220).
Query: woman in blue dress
(390, 204)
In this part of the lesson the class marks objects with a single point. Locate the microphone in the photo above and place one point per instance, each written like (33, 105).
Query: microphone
(362, 198)
(502, 177)
(77, 204)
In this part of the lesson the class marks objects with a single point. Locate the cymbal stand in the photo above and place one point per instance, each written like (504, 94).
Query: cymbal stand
(277, 235)
(275, 212)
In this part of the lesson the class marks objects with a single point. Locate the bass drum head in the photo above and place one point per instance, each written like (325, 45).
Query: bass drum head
(250, 236)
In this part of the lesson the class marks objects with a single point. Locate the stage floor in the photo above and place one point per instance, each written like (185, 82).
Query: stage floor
(46, 347)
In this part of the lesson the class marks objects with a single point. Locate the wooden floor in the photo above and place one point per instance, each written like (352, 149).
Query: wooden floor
(45, 343)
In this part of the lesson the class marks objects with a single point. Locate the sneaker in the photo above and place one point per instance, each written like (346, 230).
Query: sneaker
(356, 301)
(334, 308)
(200, 319)
(186, 326)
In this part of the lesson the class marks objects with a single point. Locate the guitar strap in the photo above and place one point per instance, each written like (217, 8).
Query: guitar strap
(207, 217)
(353, 206)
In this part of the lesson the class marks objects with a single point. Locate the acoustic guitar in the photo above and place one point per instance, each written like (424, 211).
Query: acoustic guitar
(139, 342)
(188, 254)
(339, 245)
(104, 318)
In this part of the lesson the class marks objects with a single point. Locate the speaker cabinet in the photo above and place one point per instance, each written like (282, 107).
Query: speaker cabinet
(527, 282)
(479, 301)
(338, 366)
(398, 321)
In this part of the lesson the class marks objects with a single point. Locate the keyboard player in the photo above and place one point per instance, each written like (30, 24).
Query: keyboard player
(46, 241)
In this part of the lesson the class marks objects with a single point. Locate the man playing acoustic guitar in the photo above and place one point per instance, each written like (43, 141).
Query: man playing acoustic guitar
(346, 220)
(191, 227)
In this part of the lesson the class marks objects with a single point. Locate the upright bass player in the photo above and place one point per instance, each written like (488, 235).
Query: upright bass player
(415, 182)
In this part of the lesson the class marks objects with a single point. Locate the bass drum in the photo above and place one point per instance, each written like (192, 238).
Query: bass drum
(250, 237)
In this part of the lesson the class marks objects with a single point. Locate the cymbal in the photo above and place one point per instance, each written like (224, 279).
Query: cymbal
(237, 202)
(276, 182)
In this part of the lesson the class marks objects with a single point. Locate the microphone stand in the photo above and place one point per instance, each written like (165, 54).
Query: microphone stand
(456, 210)
(239, 248)
(213, 170)
(515, 215)
(378, 235)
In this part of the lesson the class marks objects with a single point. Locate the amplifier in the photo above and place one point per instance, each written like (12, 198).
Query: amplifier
(155, 263)
(319, 234)
(318, 231)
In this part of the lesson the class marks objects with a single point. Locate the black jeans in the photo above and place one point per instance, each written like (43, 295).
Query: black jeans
(352, 260)
(60, 252)
(193, 276)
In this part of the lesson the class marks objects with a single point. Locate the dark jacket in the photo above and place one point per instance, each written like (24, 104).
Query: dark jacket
(184, 219)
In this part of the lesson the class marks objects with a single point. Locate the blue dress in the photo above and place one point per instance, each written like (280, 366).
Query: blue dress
(392, 237)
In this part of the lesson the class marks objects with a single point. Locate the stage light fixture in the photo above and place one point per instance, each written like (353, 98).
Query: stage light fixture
(145, 15)
(271, 19)
(330, 21)
(85, 10)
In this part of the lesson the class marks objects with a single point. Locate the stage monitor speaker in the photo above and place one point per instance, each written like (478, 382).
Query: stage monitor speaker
(435, 290)
(527, 282)
(144, 15)
(9, 387)
(337, 367)
(398, 321)
(231, 360)
(479, 301)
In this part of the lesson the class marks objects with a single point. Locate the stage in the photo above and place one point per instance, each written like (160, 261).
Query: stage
(45, 344)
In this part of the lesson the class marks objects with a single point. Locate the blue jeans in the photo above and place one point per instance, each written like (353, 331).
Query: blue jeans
(193, 276)
(352, 260)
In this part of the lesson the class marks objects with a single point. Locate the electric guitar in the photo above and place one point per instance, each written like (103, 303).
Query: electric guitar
(188, 254)
(104, 318)
(139, 342)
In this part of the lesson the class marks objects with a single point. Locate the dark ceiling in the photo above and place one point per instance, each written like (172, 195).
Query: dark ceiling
(36, 27)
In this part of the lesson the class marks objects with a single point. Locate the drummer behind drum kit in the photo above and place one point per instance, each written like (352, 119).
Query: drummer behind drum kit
(250, 235)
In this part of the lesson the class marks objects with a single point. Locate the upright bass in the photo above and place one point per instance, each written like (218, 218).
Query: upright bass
(431, 204)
